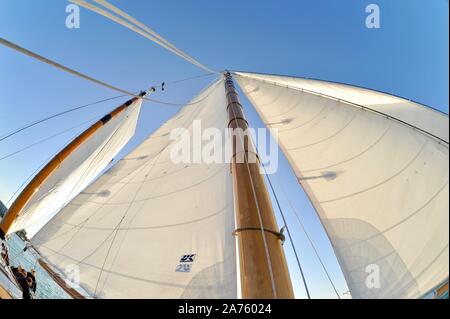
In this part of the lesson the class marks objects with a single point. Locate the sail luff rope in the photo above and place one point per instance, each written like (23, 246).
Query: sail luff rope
(147, 32)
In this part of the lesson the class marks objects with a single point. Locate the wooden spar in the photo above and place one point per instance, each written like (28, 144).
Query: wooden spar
(16, 208)
(263, 267)
(4, 294)
(441, 290)
(60, 281)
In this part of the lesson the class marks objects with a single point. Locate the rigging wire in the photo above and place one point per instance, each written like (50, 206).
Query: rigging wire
(80, 178)
(138, 27)
(289, 234)
(60, 66)
(149, 165)
(54, 154)
(291, 240)
(116, 229)
(290, 237)
(79, 227)
(56, 115)
(81, 75)
(105, 100)
(25, 182)
(287, 229)
(45, 139)
(307, 236)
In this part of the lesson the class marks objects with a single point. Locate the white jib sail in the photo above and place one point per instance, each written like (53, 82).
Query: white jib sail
(380, 186)
(78, 170)
(150, 228)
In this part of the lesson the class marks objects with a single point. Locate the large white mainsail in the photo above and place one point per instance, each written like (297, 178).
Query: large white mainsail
(150, 228)
(379, 184)
(78, 170)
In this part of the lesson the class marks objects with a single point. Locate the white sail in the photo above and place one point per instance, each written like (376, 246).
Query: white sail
(78, 170)
(150, 228)
(378, 181)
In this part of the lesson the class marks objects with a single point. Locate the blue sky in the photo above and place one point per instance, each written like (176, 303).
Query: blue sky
(407, 56)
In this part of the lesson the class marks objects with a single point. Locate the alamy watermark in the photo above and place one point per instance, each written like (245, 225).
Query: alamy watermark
(373, 17)
(373, 279)
(73, 18)
(72, 276)
(211, 145)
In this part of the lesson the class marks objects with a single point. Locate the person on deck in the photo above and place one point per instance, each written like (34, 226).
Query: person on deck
(4, 254)
(21, 276)
(32, 276)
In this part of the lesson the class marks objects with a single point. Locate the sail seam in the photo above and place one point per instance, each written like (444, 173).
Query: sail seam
(149, 161)
(442, 113)
(440, 140)
(415, 157)
(353, 157)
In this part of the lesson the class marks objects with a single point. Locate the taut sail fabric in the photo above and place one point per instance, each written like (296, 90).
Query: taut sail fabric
(379, 184)
(151, 228)
(78, 170)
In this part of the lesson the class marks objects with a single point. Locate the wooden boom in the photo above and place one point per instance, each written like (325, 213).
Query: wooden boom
(16, 208)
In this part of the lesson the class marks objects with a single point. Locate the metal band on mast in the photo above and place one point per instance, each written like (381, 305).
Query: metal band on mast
(17, 206)
(263, 267)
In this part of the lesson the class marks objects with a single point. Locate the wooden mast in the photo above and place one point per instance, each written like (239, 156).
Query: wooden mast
(16, 208)
(263, 267)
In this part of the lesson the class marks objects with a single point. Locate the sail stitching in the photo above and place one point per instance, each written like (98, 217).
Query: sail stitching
(415, 157)
(440, 140)
(138, 211)
(134, 173)
(28, 216)
(355, 115)
(380, 138)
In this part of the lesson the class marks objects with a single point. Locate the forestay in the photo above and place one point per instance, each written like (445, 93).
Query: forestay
(150, 228)
(377, 179)
(78, 170)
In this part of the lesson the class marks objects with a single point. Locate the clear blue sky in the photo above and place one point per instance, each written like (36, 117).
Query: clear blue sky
(407, 56)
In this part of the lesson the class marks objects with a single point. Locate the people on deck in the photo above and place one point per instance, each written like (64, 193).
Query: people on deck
(4, 254)
(21, 276)
(32, 277)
